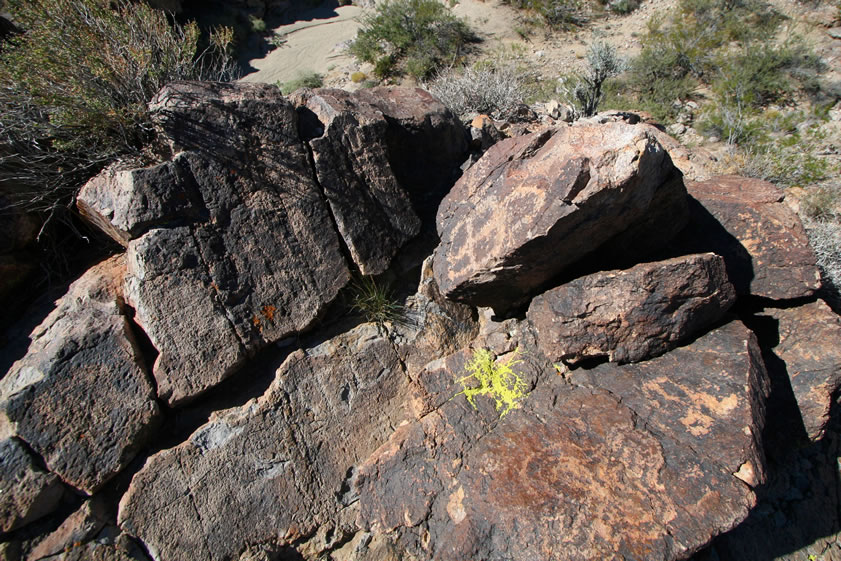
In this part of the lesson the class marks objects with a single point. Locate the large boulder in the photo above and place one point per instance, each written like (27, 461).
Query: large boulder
(81, 397)
(634, 314)
(533, 206)
(348, 141)
(278, 468)
(762, 240)
(28, 492)
(645, 469)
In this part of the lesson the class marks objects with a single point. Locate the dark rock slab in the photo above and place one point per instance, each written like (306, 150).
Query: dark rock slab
(575, 472)
(809, 347)
(372, 211)
(278, 468)
(81, 397)
(28, 493)
(79, 528)
(761, 239)
(633, 314)
(564, 193)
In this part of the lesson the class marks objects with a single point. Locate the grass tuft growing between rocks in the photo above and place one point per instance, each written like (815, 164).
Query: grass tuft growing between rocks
(495, 379)
(375, 301)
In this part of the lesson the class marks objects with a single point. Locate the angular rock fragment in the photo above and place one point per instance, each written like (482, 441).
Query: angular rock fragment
(576, 472)
(810, 349)
(81, 397)
(633, 314)
(79, 528)
(761, 239)
(278, 468)
(26, 492)
(535, 205)
(348, 140)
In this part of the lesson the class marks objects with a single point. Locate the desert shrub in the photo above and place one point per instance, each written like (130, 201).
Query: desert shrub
(75, 88)
(495, 379)
(484, 89)
(825, 238)
(584, 89)
(358, 77)
(557, 14)
(822, 203)
(304, 80)
(257, 24)
(416, 37)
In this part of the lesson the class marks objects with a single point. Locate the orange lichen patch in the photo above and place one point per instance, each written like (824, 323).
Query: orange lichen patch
(268, 312)
(256, 321)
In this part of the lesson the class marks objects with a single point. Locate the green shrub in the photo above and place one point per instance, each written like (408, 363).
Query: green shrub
(358, 77)
(410, 36)
(75, 88)
(557, 14)
(304, 80)
(257, 24)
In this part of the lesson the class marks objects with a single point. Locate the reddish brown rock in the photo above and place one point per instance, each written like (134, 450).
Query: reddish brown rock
(81, 397)
(79, 528)
(575, 472)
(567, 194)
(761, 239)
(26, 492)
(810, 349)
(348, 140)
(278, 468)
(633, 314)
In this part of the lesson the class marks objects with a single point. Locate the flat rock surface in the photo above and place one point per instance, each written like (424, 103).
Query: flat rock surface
(576, 472)
(564, 193)
(633, 314)
(278, 468)
(761, 239)
(809, 347)
(81, 397)
(26, 492)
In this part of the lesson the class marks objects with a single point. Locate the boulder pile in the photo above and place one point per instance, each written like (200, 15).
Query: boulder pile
(591, 357)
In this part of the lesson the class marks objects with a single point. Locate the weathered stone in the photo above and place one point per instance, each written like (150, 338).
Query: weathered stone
(565, 193)
(109, 545)
(762, 241)
(278, 468)
(266, 260)
(348, 140)
(634, 314)
(126, 203)
(79, 528)
(26, 492)
(576, 472)
(81, 397)
(810, 349)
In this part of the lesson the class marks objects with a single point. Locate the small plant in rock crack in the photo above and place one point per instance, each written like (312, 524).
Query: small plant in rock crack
(374, 301)
(495, 379)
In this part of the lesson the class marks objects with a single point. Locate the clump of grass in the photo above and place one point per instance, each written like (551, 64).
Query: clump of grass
(375, 301)
(495, 379)
(305, 80)
(257, 24)
(358, 77)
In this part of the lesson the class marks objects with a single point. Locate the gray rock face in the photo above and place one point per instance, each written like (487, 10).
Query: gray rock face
(348, 140)
(535, 205)
(81, 397)
(810, 348)
(28, 493)
(761, 239)
(278, 468)
(652, 468)
(634, 314)
(79, 528)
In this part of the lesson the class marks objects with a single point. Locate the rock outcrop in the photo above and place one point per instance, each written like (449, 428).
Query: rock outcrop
(81, 398)
(564, 193)
(28, 493)
(577, 472)
(634, 314)
(761, 239)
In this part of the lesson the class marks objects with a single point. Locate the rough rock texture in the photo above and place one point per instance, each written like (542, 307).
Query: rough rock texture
(348, 140)
(81, 397)
(79, 528)
(278, 468)
(26, 492)
(810, 350)
(762, 241)
(426, 142)
(634, 314)
(108, 545)
(577, 472)
(264, 261)
(565, 193)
